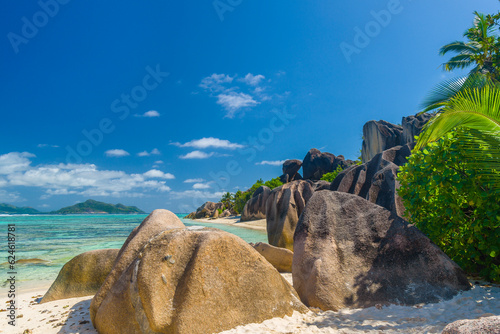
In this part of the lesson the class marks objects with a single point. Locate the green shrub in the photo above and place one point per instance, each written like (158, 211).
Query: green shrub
(332, 175)
(242, 197)
(449, 202)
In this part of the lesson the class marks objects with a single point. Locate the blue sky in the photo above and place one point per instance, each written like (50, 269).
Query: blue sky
(168, 104)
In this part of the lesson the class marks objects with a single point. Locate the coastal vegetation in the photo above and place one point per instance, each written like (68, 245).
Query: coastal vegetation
(92, 206)
(238, 200)
(11, 209)
(329, 177)
(450, 186)
(87, 207)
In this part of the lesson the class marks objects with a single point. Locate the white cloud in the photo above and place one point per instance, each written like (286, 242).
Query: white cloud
(116, 153)
(155, 173)
(194, 180)
(47, 145)
(215, 82)
(233, 101)
(252, 80)
(159, 162)
(203, 196)
(197, 155)
(204, 143)
(9, 197)
(81, 179)
(155, 151)
(271, 163)
(151, 113)
(201, 185)
(14, 162)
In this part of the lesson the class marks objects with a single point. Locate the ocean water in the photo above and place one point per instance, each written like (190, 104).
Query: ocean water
(44, 243)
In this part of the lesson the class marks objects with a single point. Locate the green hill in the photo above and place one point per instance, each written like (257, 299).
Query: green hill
(11, 209)
(91, 206)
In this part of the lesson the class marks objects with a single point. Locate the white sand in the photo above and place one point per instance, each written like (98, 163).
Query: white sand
(481, 301)
(235, 221)
(72, 316)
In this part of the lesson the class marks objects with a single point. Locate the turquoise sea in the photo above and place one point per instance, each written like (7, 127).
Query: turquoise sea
(45, 243)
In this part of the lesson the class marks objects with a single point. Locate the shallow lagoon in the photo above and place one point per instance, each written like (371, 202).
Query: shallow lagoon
(55, 239)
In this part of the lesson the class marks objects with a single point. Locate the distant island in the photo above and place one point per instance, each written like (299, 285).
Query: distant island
(11, 209)
(88, 207)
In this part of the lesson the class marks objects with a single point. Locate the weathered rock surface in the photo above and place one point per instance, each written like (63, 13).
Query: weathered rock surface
(376, 180)
(207, 210)
(255, 207)
(349, 252)
(412, 126)
(285, 178)
(158, 221)
(225, 213)
(82, 276)
(291, 168)
(195, 281)
(378, 137)
(487, 325)
(316, 164)
(321, 185)
(280, 258)
(283, 209)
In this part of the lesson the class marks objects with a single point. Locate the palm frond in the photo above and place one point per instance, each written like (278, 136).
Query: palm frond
(444, 91)
(477, 108)
(460, 61)
(460, 47)
(481, 151)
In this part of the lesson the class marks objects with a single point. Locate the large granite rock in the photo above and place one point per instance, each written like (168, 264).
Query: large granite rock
(378, 137)
(376, 180)
(412, 126)
(82, 276)
(255, 207)
(321, 185)
(207, 210)
(280, 258)
(158, 221)
(486, 325)
(316, 164)
(291, 169)
(283, 209)
(285, 178)
(195, 281)
(351, 253)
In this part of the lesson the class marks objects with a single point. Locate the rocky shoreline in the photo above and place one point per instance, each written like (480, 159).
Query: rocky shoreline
(339, 259)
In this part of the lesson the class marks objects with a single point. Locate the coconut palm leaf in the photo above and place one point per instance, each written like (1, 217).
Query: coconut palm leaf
(444, 91)
(477, 110)
(470, 48)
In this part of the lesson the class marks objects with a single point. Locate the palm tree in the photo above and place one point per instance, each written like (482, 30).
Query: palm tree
(481, 51)
(477, 110)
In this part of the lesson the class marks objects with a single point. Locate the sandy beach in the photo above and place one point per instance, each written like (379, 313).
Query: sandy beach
(259, 225)
(72, 315)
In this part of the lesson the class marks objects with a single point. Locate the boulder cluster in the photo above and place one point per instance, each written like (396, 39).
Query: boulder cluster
(210, 210)
(345, 243)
